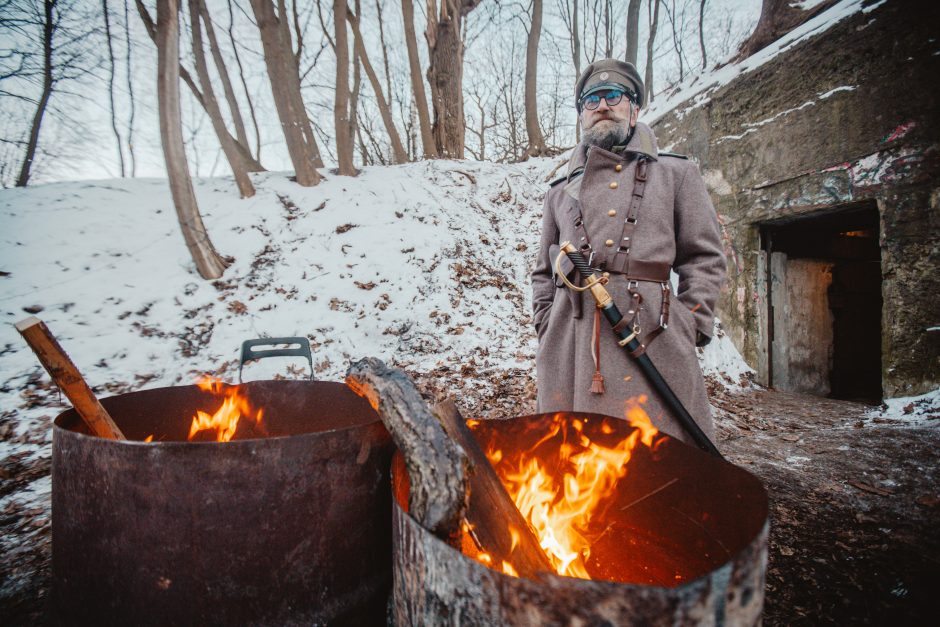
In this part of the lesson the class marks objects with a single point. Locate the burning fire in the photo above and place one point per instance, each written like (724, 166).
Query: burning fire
(559, 493)
(225, 420)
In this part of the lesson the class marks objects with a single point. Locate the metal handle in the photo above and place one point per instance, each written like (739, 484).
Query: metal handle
(249, 353)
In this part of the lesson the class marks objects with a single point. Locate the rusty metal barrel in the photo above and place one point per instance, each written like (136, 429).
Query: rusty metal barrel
(684, 542)
(288, 529)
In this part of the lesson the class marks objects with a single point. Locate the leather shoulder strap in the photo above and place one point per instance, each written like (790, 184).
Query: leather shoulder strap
(621, 259)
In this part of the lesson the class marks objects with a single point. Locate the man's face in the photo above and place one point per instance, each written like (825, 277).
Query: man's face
(608, 125)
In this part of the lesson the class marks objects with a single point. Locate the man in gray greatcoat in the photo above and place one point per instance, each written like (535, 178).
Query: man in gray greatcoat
(638, 214)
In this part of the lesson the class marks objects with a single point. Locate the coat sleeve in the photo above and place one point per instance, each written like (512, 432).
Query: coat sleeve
(543, 284)
(700, 259)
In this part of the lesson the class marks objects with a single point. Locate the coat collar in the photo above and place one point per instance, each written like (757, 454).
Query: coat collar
(642, 142)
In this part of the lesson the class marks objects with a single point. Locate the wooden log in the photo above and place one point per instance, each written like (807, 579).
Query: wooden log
(68, 378)
(437, 467)
(492, 513)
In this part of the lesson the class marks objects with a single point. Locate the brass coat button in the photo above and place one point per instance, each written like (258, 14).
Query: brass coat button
(613, 185)
(609, 243)
(612, 213)
(618, 167)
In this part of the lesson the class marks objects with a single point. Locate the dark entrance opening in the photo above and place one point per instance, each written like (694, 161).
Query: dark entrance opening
(824, 302)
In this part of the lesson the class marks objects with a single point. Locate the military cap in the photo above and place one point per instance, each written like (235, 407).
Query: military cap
(609, 74)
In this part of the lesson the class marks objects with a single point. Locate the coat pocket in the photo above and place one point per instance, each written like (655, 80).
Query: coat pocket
(679, 310)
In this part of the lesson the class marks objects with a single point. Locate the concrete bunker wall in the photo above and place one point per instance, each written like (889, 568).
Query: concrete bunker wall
(846, 117)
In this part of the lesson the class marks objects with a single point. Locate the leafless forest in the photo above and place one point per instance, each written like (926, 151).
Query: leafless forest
(294, 85)
(96, 89)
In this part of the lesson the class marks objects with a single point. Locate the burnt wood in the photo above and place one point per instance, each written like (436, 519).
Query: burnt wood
(66, 375)
(680, 511)
(492, 514)
(437, 466)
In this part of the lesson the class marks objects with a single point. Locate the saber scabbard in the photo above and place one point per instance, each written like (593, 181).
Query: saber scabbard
(628, 338)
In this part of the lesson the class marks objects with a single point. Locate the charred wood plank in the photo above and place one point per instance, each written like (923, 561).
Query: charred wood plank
(57, 363)
(437, 467)
(492, 513)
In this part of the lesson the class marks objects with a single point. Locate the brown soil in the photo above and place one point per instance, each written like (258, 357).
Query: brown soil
(855, 506)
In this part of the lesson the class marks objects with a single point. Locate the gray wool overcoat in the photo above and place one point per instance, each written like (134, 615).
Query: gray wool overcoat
(676, 224)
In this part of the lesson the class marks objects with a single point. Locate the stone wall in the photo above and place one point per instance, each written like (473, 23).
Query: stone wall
(848, 115)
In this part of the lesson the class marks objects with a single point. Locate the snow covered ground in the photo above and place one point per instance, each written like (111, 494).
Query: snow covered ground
(425, 265)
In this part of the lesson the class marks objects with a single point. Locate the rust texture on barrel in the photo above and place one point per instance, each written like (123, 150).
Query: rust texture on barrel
(281, 530)
(709, 527)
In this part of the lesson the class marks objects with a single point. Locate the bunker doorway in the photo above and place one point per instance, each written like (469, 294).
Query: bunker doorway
(822, 295)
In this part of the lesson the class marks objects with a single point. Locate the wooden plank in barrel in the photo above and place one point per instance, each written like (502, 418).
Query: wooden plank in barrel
(66, 375)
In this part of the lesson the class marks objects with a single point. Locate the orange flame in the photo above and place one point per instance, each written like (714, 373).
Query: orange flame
(225, 420)
(559, 506)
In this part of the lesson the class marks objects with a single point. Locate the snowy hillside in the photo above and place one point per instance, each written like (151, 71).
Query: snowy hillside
(425, 265)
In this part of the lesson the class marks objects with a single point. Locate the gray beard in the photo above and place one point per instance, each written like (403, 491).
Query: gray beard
(606, 137)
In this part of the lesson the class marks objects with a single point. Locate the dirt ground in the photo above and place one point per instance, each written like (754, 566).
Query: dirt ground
(855, 504)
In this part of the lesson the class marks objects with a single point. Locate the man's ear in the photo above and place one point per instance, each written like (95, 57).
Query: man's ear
(634, 115)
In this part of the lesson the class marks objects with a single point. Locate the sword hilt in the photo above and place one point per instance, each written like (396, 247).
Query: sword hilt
(594, 283)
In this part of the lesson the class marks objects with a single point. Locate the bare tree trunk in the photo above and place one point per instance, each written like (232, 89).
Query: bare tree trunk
(106, 13)
(237, 164)
(536, 140)
(648, 80)
(209, 263)
(417, 81)
(344, 147)
(130, 90)
(777, 18)
(594, 17)
(633, 30)
(398, 150)
(608, 31)
(576, 54)
(48, 31)
(676, 40)
(233, 108)
(388, 74)
(445, 73)
(241, 76)
(152, 31)
(244, 152)
(701, 33)
(355, 91)
(283, 72)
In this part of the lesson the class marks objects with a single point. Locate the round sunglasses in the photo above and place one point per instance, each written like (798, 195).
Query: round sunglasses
(613, 98)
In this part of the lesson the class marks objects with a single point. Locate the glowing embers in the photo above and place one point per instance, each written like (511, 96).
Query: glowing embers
(563, 482)
(223, 424)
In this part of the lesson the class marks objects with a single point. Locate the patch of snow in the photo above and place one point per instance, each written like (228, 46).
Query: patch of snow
(872, 7)
(806, 5)
(914, 411)
(753, 126)
(836, 90)
(797, 460)
(721, 359)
